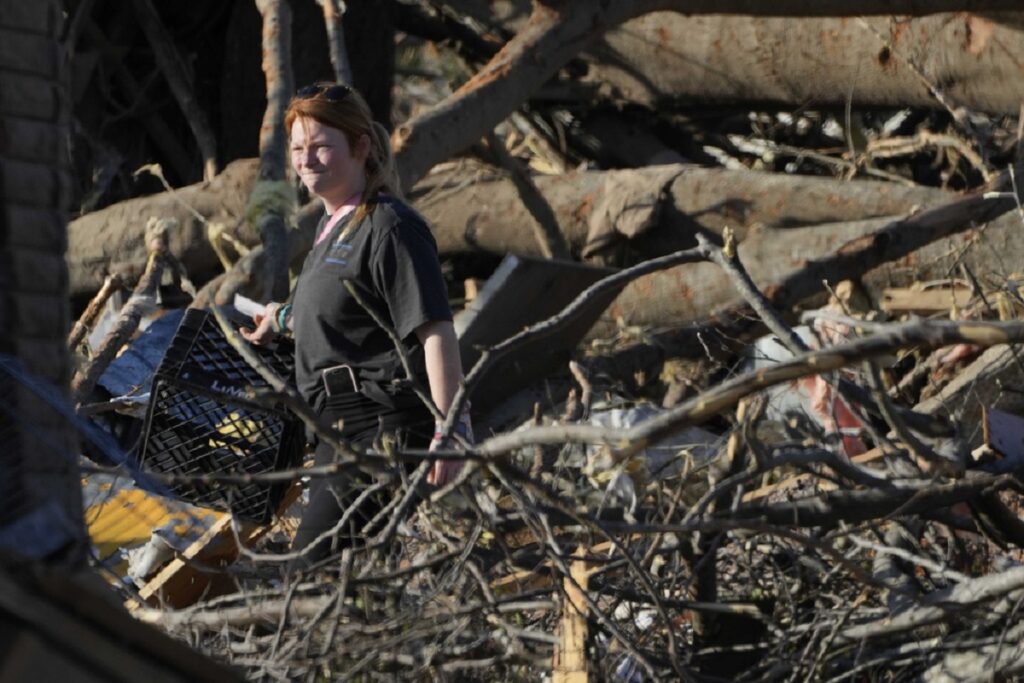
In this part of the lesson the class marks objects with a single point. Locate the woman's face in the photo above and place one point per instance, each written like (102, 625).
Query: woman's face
(326, 164)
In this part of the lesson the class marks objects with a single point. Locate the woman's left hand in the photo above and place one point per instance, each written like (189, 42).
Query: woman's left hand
(444, 471)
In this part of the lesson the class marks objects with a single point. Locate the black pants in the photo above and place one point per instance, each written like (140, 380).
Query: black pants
(364, 420)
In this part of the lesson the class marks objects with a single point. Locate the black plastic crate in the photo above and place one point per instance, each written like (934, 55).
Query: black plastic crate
(199, 421)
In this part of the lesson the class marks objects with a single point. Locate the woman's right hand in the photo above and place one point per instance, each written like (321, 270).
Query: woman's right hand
(264, 332)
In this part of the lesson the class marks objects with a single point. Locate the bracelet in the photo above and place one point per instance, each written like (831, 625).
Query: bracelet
(461, 427)
(281, 317)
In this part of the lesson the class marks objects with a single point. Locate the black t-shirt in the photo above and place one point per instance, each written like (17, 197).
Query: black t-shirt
(391, 260)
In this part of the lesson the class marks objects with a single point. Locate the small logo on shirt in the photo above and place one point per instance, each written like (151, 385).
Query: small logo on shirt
(335, 253)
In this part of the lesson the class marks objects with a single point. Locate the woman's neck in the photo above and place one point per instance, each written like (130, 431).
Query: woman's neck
(344, 198)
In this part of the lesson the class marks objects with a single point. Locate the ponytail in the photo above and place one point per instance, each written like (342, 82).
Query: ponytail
(381, 174)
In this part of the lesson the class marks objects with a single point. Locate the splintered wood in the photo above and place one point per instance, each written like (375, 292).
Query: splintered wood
(570, 661)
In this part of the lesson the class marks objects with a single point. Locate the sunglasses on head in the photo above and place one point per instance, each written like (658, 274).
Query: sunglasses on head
(331, 93)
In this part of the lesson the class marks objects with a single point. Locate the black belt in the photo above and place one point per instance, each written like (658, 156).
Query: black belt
(344, 380)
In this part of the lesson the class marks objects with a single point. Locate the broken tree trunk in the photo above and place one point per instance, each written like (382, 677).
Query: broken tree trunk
(143, 298)
(689, 293)
(479, 210)
(925, 246)
(513, 13)
(554, 34)
(111, 240)
(558, 32)
(807, 55)
(898, 241)
(993, 380)
(973, 61)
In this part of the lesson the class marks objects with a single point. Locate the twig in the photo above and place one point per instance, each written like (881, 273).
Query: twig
(112, 283)
(346, 575)
(728, 260)
(325, 535)
(912, 558)
(403, 355)
(586, 390)
(935, 606)
(142, 299)
(560, 320)
(294, 400)
(916, 446)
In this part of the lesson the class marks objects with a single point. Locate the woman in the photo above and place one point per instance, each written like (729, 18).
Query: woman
(346, 365)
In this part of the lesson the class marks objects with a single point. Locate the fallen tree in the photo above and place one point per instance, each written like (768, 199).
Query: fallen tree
(477, 209)
(897, 242)
(555, 33)
(675, 58)
(663, 206)
(963, 60)
(111, 240)
(689, 294)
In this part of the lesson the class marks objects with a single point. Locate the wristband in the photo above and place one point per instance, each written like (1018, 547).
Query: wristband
(462, 427)
(281, 318)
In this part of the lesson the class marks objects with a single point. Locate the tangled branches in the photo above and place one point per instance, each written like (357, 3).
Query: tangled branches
(763, 554)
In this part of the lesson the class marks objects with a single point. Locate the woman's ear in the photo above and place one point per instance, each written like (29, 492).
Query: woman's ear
(362, 150)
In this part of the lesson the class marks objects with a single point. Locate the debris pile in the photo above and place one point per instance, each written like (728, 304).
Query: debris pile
(804, 499)
(745, 373)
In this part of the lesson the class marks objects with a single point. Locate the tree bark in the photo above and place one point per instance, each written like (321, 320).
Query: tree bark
(923, 247)
(112, 239)
(273, 196)
(668, 58)
(513, 12)
(334, 11)
(479, 210)
(474, 209)
(557, 32)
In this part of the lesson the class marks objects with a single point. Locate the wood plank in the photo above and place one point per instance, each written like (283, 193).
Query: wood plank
(192, 574)
(180, 583)
(924, 301)
(570, 658)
